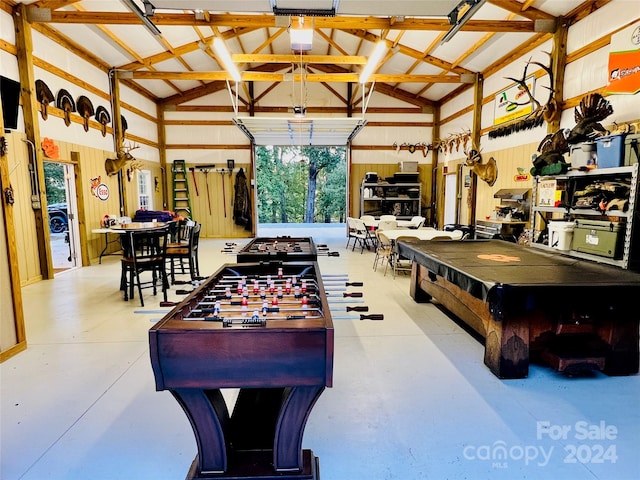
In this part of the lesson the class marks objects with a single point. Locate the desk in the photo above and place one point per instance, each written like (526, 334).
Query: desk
(572, 314)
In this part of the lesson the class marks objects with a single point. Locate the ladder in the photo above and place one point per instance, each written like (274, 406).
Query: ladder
(181, 201)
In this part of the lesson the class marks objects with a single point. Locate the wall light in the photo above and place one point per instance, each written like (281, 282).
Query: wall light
(378, 52)
(224, 56)
(301, 35)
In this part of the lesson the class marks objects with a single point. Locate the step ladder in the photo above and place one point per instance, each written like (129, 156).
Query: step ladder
(181, 201)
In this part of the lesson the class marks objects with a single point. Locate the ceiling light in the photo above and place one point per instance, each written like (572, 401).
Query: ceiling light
(374, 59)
(199, 14)
(319, 8)
(224, 57)
(149, 9)
(301, 36)
(142, 16)
(474, 6)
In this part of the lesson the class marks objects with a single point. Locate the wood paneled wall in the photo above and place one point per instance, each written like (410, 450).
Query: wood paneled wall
(511, 162)
(359, 170)
(23, 215)
(212, 204)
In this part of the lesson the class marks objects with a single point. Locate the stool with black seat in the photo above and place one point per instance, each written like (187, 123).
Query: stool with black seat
(185, 251)
(144, 251)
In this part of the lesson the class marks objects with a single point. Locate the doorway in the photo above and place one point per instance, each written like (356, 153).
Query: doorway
(62, 214)
(301, 185)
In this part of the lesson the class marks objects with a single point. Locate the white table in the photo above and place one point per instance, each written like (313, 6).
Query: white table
(106, 232)
(426, 234)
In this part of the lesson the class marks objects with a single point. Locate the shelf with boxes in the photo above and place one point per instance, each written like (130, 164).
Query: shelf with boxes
(609, 151)
(399, 195)
(589, 215)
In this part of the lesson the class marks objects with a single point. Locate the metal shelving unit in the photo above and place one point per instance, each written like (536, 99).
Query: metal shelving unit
(630, 258)
(390, 198)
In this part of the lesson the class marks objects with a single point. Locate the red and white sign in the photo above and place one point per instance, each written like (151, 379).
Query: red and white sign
(102, 192)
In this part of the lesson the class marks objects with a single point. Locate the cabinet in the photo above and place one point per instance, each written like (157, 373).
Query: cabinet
(399, 199)
(607, 196)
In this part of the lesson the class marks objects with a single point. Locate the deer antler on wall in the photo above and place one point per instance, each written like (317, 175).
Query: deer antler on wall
(454, 141)
(487, 172)
(540, 113)
(114, 165)
(413, 147)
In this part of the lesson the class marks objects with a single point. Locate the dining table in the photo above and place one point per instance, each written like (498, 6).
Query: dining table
(422, 234)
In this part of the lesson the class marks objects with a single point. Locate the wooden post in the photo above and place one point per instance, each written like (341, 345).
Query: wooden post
(24, 47)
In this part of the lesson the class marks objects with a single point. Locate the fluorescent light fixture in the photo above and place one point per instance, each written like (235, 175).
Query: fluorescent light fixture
(378, 52)
(224, 56)
(474, 6)
(142, 16)
(301, 35)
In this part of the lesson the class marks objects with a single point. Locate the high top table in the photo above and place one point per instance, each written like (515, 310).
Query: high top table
(573, 314)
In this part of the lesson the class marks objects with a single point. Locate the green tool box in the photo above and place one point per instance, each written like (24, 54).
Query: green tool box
(599, 237)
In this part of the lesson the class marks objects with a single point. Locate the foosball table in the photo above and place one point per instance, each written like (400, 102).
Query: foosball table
(262, 328)
(278, 248)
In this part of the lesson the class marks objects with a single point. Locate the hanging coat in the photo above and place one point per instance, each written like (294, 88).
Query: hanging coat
(242, 202)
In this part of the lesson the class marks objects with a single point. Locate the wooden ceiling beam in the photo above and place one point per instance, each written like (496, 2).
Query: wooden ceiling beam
(518, 8)
(180, 50)
(251, 76)
(292, 58)
(266, 21)
(418, 55)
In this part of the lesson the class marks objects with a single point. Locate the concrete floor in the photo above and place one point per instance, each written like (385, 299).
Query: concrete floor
(411, 398)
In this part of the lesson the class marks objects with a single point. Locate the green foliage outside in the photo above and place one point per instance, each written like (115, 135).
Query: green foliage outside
(301, 184)
(54, 178)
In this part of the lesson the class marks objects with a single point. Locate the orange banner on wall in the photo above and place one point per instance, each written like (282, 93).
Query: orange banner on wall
(624, 61)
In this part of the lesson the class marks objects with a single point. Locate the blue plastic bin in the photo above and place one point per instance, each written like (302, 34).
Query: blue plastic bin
(610, 150)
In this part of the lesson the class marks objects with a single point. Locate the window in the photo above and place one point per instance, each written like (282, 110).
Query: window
(145, 197)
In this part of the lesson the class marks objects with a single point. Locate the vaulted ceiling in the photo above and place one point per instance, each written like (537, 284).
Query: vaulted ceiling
(179, 65)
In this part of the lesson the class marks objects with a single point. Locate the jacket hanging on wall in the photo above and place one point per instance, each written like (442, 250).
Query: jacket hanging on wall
(242, 202)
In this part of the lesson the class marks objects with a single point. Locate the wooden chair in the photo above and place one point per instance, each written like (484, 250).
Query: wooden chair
(181, 252)
(144, 251)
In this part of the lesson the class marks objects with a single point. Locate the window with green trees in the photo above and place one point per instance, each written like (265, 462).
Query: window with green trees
(301, 184)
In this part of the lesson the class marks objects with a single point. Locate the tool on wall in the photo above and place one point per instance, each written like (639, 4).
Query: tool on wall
(195, 182)
(223, 171)
(206, 169)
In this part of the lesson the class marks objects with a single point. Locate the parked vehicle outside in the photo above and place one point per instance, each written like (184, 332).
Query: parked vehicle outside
(58, 218)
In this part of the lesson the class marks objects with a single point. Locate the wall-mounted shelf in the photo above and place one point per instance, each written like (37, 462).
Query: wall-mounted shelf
(572, 185)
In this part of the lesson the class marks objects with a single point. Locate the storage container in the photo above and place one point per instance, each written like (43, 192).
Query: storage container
(610, 150)
(583, 154)
(408, 166)
(598, 237)
(371, 177)
(560, 234)
(632, 149)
